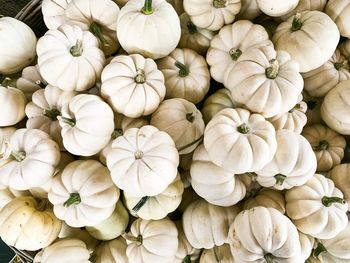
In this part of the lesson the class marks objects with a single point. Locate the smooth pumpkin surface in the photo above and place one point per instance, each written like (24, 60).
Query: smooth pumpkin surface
(13, 103)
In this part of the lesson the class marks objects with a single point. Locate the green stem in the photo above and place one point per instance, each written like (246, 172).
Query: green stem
(272, 71)
(187, 259)
(280, 178)
(268, 258)
(183, 69)
(40, 83)
(2, 78)
(328, 201)
(42, 205)
(243, 128)
(117, 133)
(140, 204)
(77, 49)
(140, 77)
(131, 238)
(96, 30)
(19, 156)
(52, 114)
(219, 3)
(235, 53)
(192, 29)
(340, 65)
(73, 199)
(190, 117)
(322, 146)
(296, 24)
(319, 250)
(147, 8)
(70, 122)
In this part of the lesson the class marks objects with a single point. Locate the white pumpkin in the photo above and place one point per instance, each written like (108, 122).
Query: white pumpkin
(133, 85)
(7, 194)
(340, 176)
(310, 37)
(87, 123)
(213, 183)
(267, 198)
(217, 254)
(53, 12)
(143, 162)
(83, 194)
(98, 16)
(249, 10)
(30, 81)
(317, 208)
(5, 135)
(178, 6)
(182, 121)
(313, 113)
(152, 241)
(186, 75)
(276, 8)
(17, 45)
(230, 43)
(212, 14)
(320, 81)
(306, 5)
(263, 234)
(327, 145)
(206, 225)
(239, 141)
(64, 53)
(339, 11)
(29, 160)
(150, 28)
(306, 243)
(12, 103)
(293, 164)
(113, 251)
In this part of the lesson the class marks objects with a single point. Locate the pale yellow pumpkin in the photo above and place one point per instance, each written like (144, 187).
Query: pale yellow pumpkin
(12, 103)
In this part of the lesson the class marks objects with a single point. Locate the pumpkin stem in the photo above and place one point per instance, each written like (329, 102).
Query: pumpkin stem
(192, 29)
(296, 24)
(318, 250)
(340, 65)
(140, 204)
(235, 53)
(190, 144)
(269, 258)
(96, 30)
(190, 117)
(42, 205)
(19, 156)
(216, 254)
(5, 81)
(140, 78)
(70, 122)
(77, 49)
(322, 146)
(52, 114)
(243, 128)
(2, 79)
(40, 83)
(147, 8)
(272, 71)
(219, 3)
(131, 238)
(187, 259)
(138, 154)
(73, 199)
(328, 201)
(280, 178)
(117, 133)
(183, 69)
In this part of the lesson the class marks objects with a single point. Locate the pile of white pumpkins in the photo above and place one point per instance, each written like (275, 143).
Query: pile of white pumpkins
(114, 150)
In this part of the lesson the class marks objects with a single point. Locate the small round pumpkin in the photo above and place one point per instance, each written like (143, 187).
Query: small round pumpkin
(276, 8)
(53, 12)
(13, 104)
(267, 198)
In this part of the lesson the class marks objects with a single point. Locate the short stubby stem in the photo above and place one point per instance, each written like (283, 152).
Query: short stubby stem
(132, 238)
(138, 155)
(280, 178)
(18, 156)
(219, 3)
(272, 71)
(77, 49)
(328, 201)
(117, 133)
(340, 65)
(147, 8)
(40, 83)
(183, 69)
(52, 114)
(140, 77)
(217, 254)
(190, 117)
(96, 30)
(70, 122)
(235, 53)
(74, 199)
(322, 146)
(140, 204)
(243, 128)
(187, 259)
(192, 29)
(269, 258)
(319, 250)
(296, 24)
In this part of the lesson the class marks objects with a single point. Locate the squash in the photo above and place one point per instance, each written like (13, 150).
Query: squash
(264, 235)
(17, 45)
(230, 43)
(45, 107)
(317, 208)
(64, 53)
(152, 241)
(156, 207)
(194, 37)
(249, 10)
(306, 5)
(87, 123)
(113, 251)
(335, 108)
(307, 243)
(206, 225)
(83, 194)
(327, 145)
(339, 11)
(265, 81)
(53, 12)
(7, 194)
(340, 176)
(97, 16)
(213, 183)
(186, 75)
(276, 8)
(267, 198)
(12, 103)
(149, 28)
(143, 162)
(133, 85)
(320, 81)
(310, 37)
(313, 113)
(220, 254)
(28, 224)
(182, 121)
(29, 160)
(212, 14)
(239, 141)
(30, 81)
(293, 164)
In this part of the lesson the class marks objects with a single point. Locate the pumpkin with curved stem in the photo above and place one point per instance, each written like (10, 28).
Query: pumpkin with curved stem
(30, 81)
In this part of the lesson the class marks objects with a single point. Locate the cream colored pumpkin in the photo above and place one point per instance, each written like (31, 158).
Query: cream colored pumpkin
(306, 5)
(156, 207)
(293, 164)
(320, 81)
(220, 254)
(29, 160)
(152, 241)
(194, 37)
(133, 85)
(113, 251)
(310, 37)
(327, 145)
(265, 81)
(64, 53)
(317, 208)
(307, 243)
(230, 43)
(30, 81)
(150, 28)
(213, 183)
(206, 225)
(264, 235)
(212, 14)
(5, 135)
(249, 10)
(7, 194)
(97, 16)
(339, 11)
(83, 194)
(239, 141)
(87, 123)
(340, 176)
(186, 75)
(313, 113)
(335, 108)
(17, 45)
(28, 224)
(267, 198)
(182, 121)
(143, 162)
(53, 12)
(276, 8)
(45, 107)
(12, 103)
